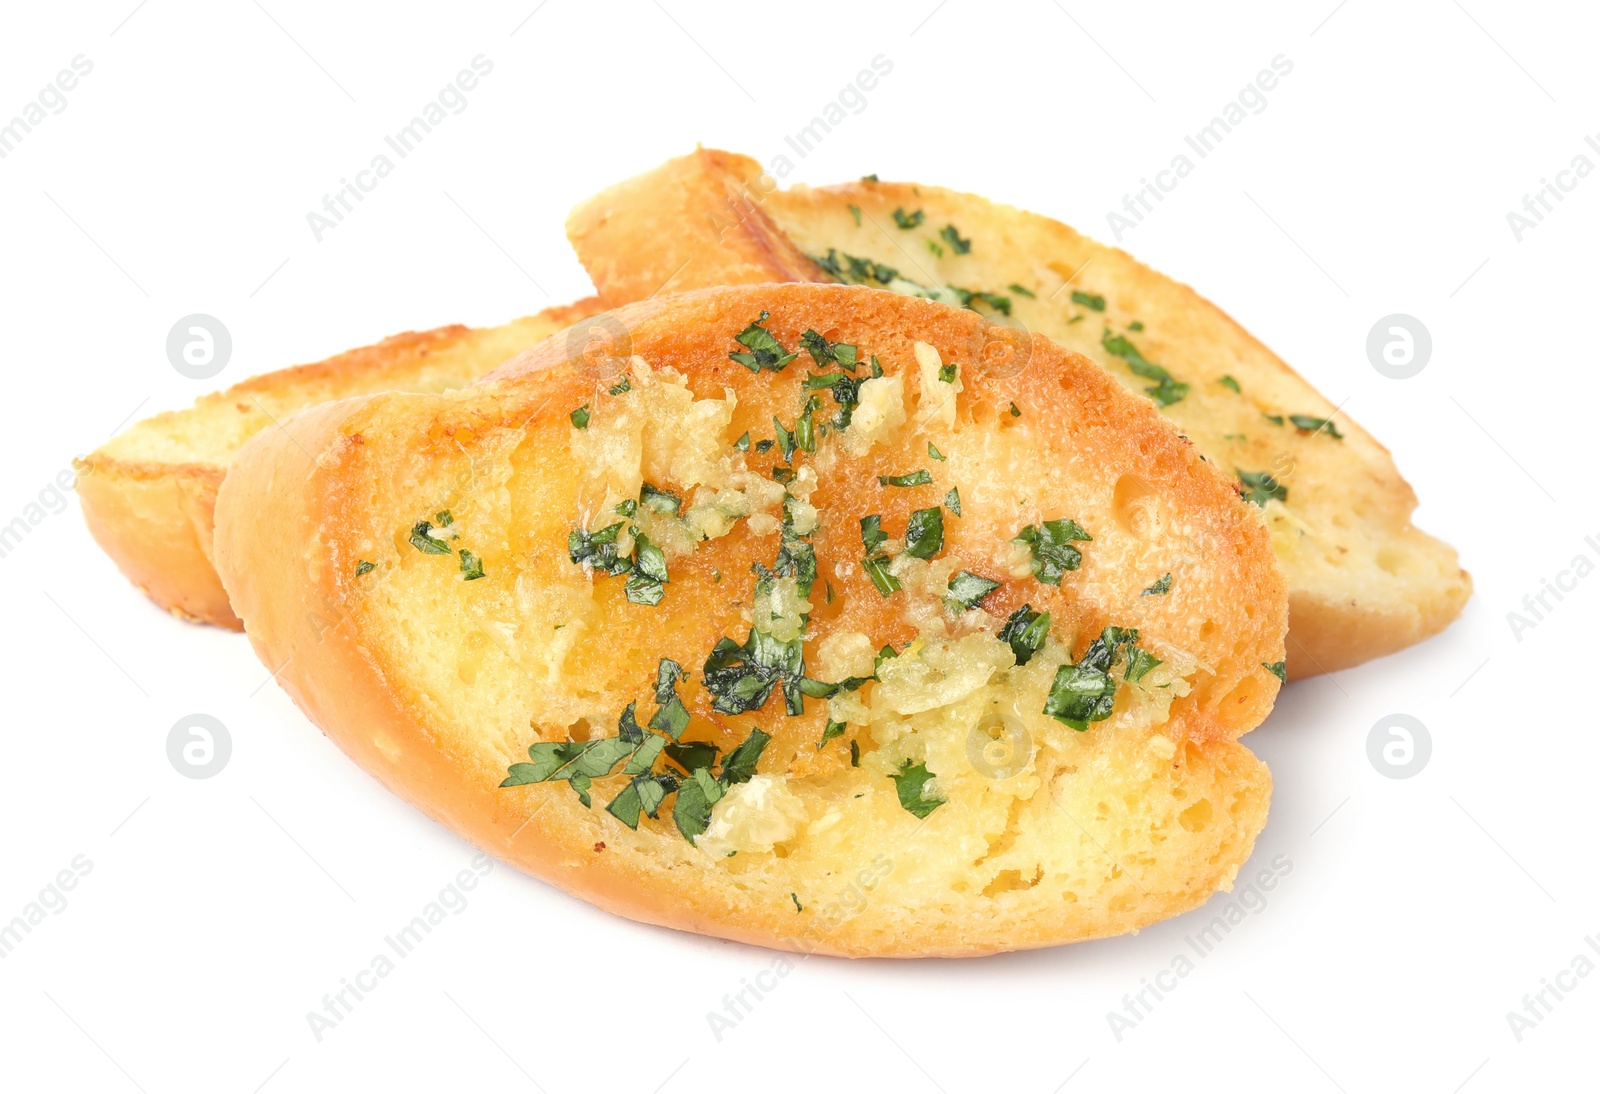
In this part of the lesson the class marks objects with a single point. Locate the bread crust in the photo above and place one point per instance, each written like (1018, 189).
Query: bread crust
(154, 516)
(293, 516)
(713, 214)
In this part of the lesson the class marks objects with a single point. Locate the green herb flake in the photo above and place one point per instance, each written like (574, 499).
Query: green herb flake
(1160, 588)
(855, 753)
(580, 417)
(872, 533)
(855, 211)
(660, 500)
(1140, 663)
(826, 353)
(947, 373)
(1092, 301)
(1051, 545)
(1275, 419)
(907, 221)
(830, 731)
(595, 550)
(471, 566)
(877, 569)
(624, 387)
(1277, 668)
(949, 234)
(1015, 411)
(934, 453)
(743, 443)
(952, 500)
(968, 589)
(910, 785)
(798, 907)
(1136, 326)
(628, 507)
(1025, 631)
(1086, 692)
(1166, 390)
(1260, 487)
(363, 567)
(925, 533)
(1307, 424)
(422, 539)
(1020, 291)
(919, 477)
(870, 178)
(1230, 383)
(764, 351)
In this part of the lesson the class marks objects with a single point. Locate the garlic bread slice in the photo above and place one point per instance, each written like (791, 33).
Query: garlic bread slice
(806, 622)
(1363, 581)
(148, 493)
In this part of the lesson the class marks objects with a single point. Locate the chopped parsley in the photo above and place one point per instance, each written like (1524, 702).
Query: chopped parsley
(1092, 301)
(364, 567)
(423, 539)
(826, 353)
(919, 477)
(743, 443)
(952, 500)
(1020, 290)
(872, 533)
(925, 533)
(580, 417)
(1015, 411)
(1051, 544)
(855, 211)
(829, 732)
(595, 550)
(1140, 662)
(910, 785)
(853, 269)
(968, 589)
(905, 220)
(1277, 668)
(947, 373)
(1308, 424)
(742, 677)
(1086, 692)
(1260, 487)
(764, 351)
(1166, 390)
(870, 178)
(1025, 631)
(1136, 326)
(949, 234)
(1160, 588)
(877, 568)
(649, 572)
(579, 763)
(934, 453)
(624, 387)
(798, 907)
(660, 500)
(1230, 383)
(855, 753)
(471, 566)
(628, 507)
(1275, 419)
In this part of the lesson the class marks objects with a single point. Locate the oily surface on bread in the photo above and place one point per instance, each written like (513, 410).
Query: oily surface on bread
(149, 492)
(1363, 581)
(1015, 829)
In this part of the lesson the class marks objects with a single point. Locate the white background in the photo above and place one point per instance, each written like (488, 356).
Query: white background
(217, 913)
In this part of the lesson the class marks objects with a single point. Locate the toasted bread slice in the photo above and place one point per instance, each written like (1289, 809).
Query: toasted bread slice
(1363, 581)
(481, 594)
(148, 493)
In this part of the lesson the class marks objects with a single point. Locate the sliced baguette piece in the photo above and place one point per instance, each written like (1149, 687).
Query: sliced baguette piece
(351, 541)
(148, 493)
(1363, 581)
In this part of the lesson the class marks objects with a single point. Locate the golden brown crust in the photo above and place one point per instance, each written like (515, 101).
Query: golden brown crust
(148, 494)
(1363, 580)
(303, 505)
